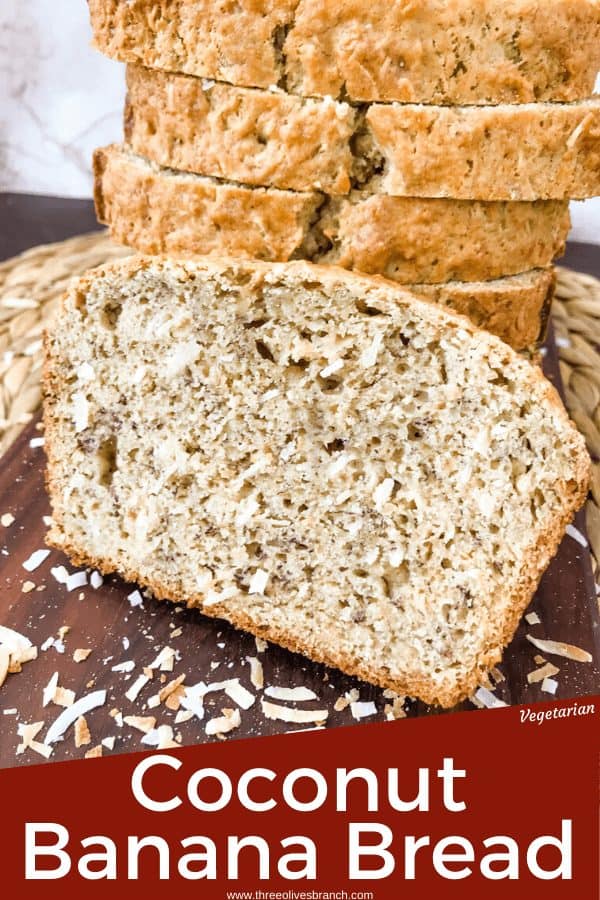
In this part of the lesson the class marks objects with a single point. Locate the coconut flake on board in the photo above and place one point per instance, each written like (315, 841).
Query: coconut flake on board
(35, 560)
(161, 738)
(82, 733)
(69, 716)
(28, 733)
(256, 672)
(297, 716)
(576, 534)
(127, 666)
(230, 719)
(15, 650)
(134, 690)
(549, 686)
(558, 648)
(487, 699)
(142, 723)
(546, 671)
(363, 709)
(296, 694)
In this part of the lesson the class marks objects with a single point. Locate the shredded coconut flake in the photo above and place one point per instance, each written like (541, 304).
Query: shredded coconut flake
(28, 733)
(577, 535)
(540, 674)
(85, 372)
(63, 696)
(383, 492)
(549, 686)
(369, 357)
(332, 368)
(36, 559)
(532, 618)
(94, 753)
(297, 694)
(230, 719)
(96, 580)
(360, 709)
(161, 738)
(256, 672)
(76, 580)
(297, 716)
(488, 700)
(557, 648)
(165, 660)
(142, 723)
(127, 666)
(4, 664)
(81, 412)
(240, 695)
(82, 732)
(135, 599)
(13, 640)
(60, 574)
(69, 716)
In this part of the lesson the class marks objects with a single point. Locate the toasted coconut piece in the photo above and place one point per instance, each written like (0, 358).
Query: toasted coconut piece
(82, 732)
(558, 648)
(297, 716)
(546, 671)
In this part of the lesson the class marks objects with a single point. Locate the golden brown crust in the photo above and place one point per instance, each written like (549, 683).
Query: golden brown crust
(157, 216)
(434, 51)
(273, 139)
(408, 241)
(515, 309)
(544, 546)
(530, 152)
(256, 137)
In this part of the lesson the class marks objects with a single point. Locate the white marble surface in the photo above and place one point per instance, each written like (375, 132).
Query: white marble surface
(59, 99)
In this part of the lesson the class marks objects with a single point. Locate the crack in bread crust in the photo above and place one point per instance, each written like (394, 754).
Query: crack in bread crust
(452, 52)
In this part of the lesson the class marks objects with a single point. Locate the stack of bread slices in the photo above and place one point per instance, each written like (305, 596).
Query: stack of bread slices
(434, 143)
(320, 456)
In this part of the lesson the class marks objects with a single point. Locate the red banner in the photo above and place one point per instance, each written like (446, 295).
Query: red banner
(495, 804)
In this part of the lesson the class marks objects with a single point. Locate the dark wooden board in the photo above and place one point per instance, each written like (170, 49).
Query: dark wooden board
(102, 618)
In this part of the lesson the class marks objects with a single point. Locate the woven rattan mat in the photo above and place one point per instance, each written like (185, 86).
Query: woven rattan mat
(31, 286)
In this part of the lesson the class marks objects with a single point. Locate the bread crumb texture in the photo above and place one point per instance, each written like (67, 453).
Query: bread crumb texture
(401, 479)
(431, 51)
(509, 152)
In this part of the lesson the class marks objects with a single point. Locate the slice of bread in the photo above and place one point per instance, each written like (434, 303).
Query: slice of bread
(258, 137)
(316, 456)
(536, 151)
(274, 139)
(433, 51)
(410, 241)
